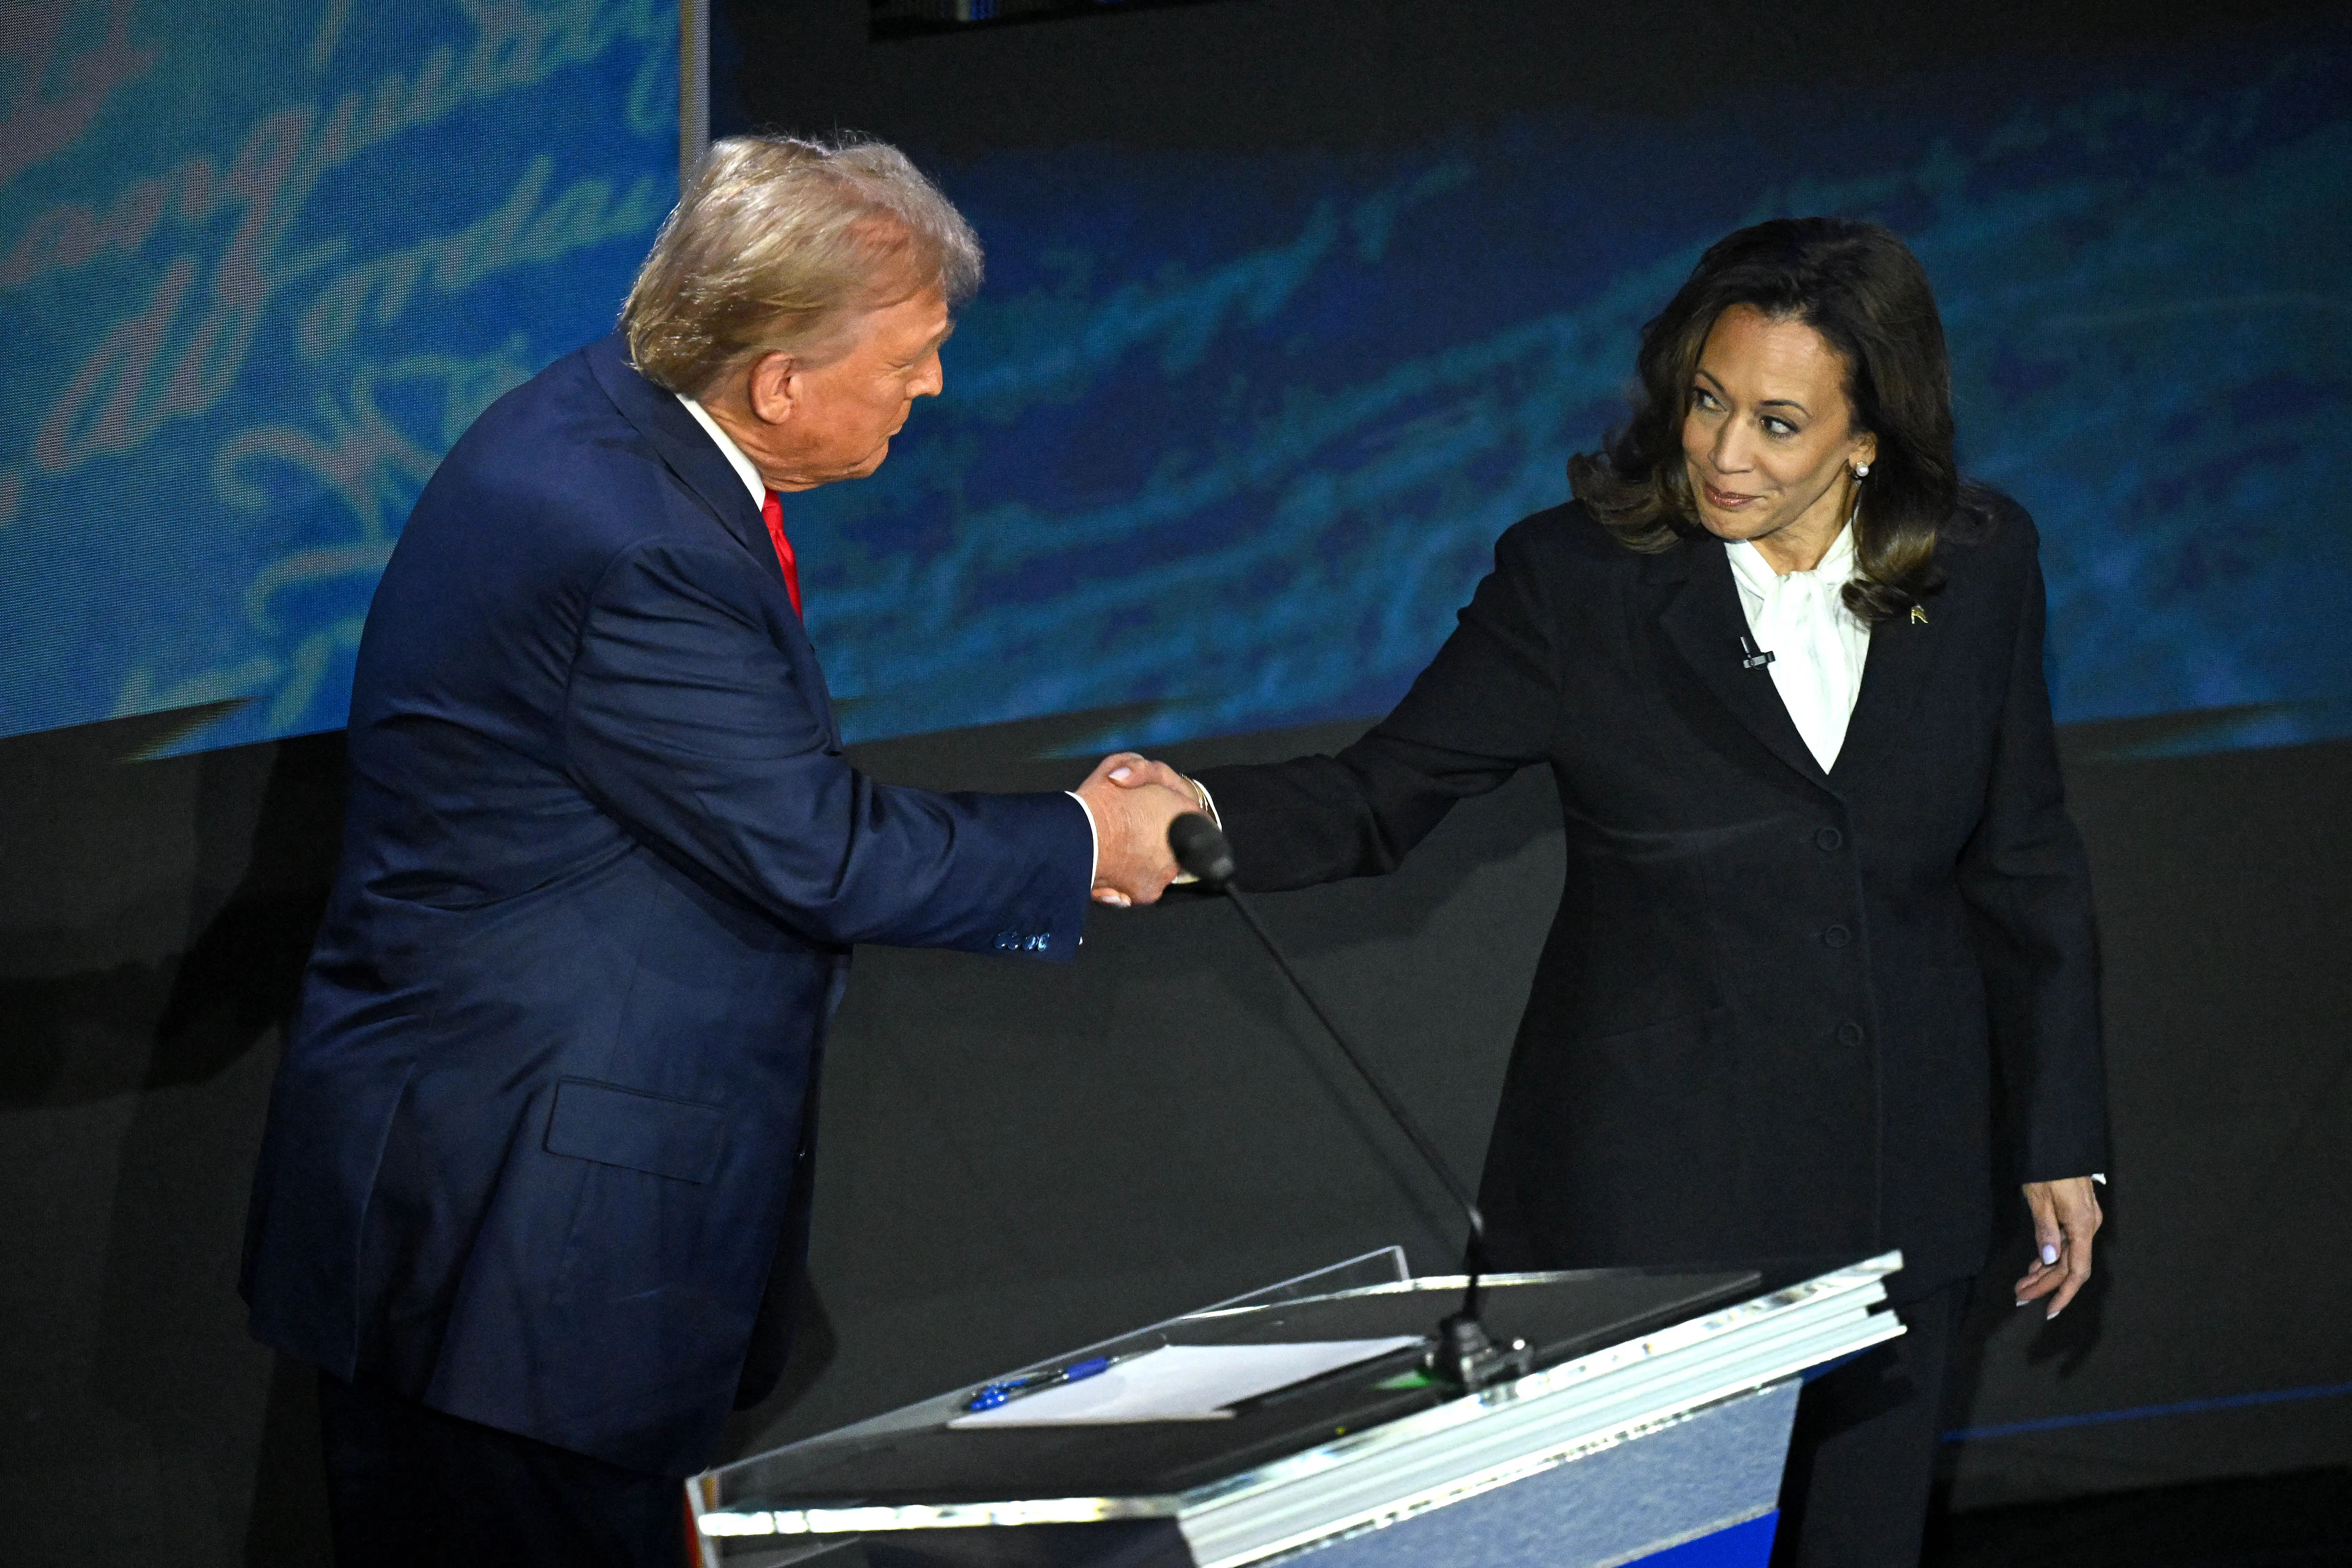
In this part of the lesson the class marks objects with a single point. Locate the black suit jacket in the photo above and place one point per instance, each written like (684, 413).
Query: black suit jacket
(1781, 1010)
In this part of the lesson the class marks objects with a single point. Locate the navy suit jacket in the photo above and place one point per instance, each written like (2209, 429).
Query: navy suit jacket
(541, 1133)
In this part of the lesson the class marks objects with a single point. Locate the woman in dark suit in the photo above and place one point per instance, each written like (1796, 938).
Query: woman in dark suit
(1826, 922)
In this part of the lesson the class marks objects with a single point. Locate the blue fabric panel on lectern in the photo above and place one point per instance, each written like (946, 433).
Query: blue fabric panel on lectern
(1748, 1545)
(1697, 1493)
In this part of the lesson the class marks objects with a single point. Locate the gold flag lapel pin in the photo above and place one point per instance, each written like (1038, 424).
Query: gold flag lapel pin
(1918, 616)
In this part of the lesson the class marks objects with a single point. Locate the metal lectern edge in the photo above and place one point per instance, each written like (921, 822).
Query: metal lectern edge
(1502, 1412)
(1543, 1421)
(1427, 1459)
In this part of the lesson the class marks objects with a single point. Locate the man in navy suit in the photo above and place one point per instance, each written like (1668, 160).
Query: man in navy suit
(537, 1173)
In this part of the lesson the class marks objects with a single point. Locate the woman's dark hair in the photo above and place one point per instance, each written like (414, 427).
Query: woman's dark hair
(1864, 291)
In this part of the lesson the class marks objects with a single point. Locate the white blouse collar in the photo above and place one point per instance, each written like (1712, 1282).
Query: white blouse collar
(1835, 569)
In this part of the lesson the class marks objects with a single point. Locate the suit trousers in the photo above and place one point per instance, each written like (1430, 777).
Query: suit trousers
(408, 1484)
(1863, 1455)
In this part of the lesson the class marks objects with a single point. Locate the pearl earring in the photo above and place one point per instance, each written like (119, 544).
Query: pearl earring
(1861, 470)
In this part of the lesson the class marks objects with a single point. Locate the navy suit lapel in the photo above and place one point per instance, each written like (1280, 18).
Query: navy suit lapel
(683, 445)
(1704, 622)
(688, 452)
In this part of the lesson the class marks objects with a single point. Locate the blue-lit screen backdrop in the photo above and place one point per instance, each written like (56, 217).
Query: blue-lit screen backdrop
(1233, 434)
(259, 264)
(1227, 437)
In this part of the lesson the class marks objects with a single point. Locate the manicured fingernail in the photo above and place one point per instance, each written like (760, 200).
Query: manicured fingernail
(1120, 774)
(2054, 1314)
(2020, 1301)
(2049, 1254)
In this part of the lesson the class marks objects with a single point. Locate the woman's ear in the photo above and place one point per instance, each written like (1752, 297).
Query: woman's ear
(1863, 454)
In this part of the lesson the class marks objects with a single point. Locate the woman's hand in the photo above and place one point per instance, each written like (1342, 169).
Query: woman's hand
(1130, 770)
(2065, 1216)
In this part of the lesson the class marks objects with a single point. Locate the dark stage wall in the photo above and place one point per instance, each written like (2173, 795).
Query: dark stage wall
(1019, 1158)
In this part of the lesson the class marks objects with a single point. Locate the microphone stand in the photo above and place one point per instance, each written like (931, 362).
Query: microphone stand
(1464, 1355)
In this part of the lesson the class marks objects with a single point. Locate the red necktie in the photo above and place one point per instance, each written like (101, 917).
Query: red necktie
(774, 513)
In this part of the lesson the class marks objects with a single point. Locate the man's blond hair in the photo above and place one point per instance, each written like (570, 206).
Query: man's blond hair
(778, 244)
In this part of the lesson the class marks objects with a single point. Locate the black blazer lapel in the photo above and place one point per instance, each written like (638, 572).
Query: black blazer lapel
(1704, 622)
(1903, 656)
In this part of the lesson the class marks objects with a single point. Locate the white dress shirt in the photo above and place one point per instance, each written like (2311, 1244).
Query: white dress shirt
(745, 469)
(1818, 645)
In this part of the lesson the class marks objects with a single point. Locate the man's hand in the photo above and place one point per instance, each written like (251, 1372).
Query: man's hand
(2065, 1216)
(1132, 809)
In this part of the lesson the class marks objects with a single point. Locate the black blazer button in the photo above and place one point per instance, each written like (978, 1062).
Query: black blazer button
(1836, 936)
(1849, 1034)
(1830, 839)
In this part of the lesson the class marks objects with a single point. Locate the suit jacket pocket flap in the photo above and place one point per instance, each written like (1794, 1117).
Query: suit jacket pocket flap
(650, 1132)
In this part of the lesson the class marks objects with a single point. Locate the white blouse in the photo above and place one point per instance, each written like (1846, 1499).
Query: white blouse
(1818, 645)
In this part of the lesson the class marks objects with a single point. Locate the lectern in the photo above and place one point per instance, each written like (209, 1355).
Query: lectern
(1652, 1429)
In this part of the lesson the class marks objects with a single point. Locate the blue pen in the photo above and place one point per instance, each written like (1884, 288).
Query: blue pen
(996, 1393)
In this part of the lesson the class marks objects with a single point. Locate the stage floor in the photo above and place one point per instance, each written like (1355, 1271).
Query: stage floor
(2298, 1520)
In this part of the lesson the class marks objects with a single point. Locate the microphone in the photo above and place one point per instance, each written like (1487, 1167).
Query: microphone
(1464, 1355)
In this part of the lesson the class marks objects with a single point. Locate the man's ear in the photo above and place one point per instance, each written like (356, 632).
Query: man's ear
(773, 388)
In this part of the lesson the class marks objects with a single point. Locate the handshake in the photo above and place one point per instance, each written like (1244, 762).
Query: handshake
(1132, 800)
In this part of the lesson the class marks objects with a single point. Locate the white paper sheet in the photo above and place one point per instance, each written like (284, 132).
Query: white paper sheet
(1180, 1383)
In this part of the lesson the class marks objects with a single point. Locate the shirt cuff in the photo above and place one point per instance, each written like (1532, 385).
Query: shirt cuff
(1206, 799)
(1094, 838)
(1208, 804)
